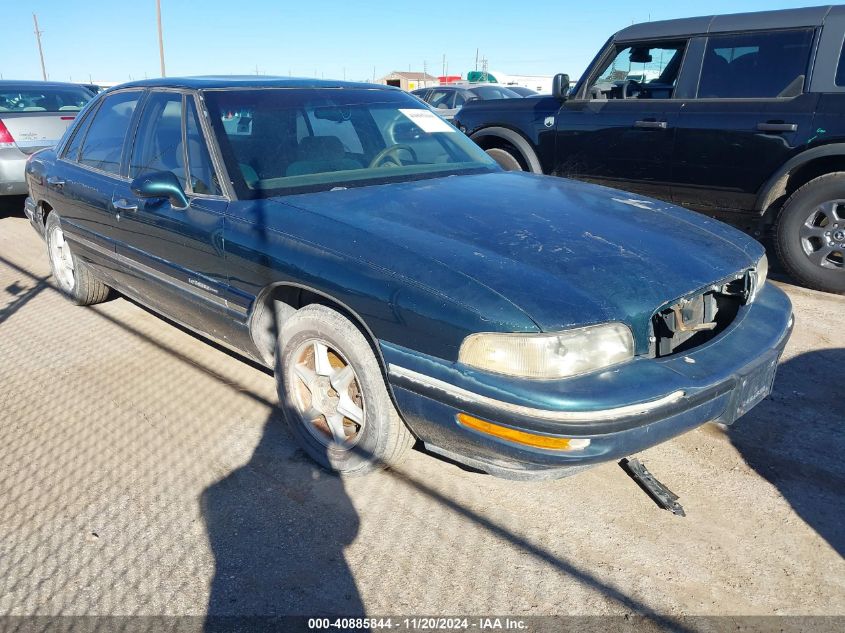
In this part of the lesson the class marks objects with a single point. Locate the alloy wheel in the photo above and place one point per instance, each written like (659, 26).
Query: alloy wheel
(327, 394)
(61, 258)
(823, 235)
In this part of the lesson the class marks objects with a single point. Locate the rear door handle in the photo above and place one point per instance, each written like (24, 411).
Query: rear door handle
(651, 125)
(123, 205)
(53, 181)
(777, 127)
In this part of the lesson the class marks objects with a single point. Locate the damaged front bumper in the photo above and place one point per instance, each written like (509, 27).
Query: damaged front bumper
(620, 410)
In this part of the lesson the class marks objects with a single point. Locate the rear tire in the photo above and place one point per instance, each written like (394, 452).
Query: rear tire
(507, 160)
(74, 277)
(811, 233)
(333, 395)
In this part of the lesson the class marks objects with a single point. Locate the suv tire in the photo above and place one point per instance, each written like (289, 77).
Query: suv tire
(507, 160)
(333, 394)
(74, 278)
(811, 233)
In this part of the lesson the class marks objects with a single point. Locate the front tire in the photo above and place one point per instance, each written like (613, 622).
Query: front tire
(333, 395)
(74, 277)
(811, 233)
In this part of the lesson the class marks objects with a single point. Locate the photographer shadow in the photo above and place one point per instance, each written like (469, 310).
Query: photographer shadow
(278, 527)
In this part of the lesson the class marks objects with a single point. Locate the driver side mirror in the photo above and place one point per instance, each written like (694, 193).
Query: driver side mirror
(160, 184)
(560, 86)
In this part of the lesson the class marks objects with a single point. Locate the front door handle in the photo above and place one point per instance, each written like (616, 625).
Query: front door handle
(651, 125)
(53, 181)
(123, 205)
(769, 126)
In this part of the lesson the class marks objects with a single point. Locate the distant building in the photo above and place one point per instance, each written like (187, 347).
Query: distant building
(408, 80)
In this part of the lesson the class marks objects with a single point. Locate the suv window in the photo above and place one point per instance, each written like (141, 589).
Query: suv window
(755, 65)
(203, 178)
(640, 71)
(158, 142)
(103, 144)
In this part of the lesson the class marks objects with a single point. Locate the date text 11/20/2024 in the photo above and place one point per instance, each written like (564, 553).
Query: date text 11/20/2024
(419, 624)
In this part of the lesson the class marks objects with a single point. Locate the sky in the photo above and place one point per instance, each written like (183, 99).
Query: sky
(116, 40)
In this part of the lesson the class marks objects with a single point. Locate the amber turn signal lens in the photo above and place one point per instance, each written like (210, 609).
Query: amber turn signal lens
(521, 437)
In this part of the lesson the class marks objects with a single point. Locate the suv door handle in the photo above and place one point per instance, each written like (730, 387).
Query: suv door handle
(651, 125)
(123, 205)
(777, 127)
(53, 181)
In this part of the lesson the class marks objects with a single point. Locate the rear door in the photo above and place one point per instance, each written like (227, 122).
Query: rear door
(751, 112)
(620, 129)
(173, 258)
(88, 172)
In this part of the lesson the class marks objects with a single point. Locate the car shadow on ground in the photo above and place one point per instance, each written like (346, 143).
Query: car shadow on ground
(11, 206)
(796, 439)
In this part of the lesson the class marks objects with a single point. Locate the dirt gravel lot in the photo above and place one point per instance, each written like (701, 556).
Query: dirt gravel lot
(143, 471)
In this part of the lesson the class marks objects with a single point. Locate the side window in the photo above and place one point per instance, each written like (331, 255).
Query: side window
(646, 71)
(72, 149)
(755, 65)
(203, 179)
(103, 143)
(840, 68)
(158, 142)
(442, 99)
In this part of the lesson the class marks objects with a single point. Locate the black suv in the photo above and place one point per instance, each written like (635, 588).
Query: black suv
(737, 116)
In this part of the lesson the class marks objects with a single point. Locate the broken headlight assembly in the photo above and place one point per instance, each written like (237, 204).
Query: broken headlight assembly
(549, 355)
(757, 277)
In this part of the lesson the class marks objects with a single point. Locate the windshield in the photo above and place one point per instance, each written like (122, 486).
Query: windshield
(283, 140)
(28, 99)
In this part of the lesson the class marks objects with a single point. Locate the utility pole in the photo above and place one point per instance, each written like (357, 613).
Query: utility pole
(40, 50)
(160, 37)
(476, 59)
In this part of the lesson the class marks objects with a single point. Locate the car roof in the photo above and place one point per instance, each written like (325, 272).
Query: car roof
(26, 83)
(781, 19)
(212, 82)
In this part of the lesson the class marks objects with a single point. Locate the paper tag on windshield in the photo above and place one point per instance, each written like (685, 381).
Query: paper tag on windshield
(427, 121)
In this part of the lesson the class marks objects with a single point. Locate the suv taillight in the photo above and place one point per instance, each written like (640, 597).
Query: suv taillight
(6, 139)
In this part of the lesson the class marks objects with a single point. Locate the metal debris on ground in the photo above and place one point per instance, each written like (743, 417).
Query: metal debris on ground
(662, 496)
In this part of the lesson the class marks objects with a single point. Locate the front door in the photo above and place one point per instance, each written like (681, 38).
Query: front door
(750, 115)
(172, 257)
(620, 129)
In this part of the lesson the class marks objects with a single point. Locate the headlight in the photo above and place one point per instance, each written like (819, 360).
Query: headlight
(554, 355)
(760, 272)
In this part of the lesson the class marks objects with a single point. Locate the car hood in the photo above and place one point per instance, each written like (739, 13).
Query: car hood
(565, 253)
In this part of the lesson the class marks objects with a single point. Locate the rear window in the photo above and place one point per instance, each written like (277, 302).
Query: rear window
(494, 92)
(27, 99)
(756, 65)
